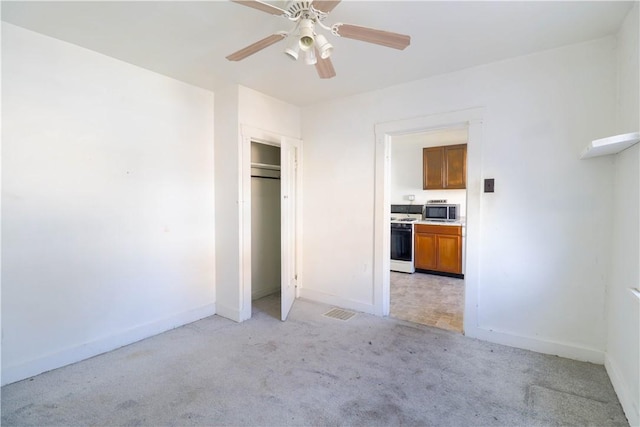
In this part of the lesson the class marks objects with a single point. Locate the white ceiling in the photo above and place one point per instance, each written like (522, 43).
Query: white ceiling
(189, 40)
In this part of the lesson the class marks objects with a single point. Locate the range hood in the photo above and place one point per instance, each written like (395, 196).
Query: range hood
(610, 145)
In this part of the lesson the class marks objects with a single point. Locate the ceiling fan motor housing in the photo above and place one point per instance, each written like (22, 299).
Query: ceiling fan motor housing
(301, 9)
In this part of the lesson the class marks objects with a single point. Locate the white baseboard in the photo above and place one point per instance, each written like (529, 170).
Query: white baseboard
(264, 292)
(322, 297)
(620, 385)
(84, 351)
(230, 313)
(570, 351)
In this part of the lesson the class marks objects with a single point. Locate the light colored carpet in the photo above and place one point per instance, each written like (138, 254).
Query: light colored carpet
(315, 371)
(428, 299)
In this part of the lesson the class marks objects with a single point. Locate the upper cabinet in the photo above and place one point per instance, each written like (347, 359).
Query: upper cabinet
(445, 167)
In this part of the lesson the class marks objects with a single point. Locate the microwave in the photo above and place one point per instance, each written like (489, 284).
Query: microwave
(441, 212)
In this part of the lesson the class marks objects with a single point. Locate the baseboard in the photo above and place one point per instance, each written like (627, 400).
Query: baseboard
(622, 389)
(440, 273)
(84, 351)
(570, 351)
(264, 292)
(337, 301)
(227, 312)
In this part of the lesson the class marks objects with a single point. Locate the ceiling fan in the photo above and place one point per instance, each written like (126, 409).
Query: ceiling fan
(316, 48)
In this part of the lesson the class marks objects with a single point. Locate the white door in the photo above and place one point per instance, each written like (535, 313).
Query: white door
(289, 152)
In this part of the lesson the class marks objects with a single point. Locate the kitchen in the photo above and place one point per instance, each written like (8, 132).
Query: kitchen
(428, 209)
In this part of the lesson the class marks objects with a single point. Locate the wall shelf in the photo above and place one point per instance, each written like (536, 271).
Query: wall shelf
(610, 145)
(265, 166)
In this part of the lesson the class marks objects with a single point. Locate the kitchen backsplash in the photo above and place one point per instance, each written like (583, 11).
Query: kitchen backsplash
(423, 196)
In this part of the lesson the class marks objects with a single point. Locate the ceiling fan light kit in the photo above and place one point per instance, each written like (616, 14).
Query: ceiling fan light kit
(317, 49)
(293, 49)
(310, 57)
(324, 46)
(306, 34)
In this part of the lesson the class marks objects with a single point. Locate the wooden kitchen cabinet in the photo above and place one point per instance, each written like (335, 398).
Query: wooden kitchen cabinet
(438, 248)
(444, 167)
(426, 251)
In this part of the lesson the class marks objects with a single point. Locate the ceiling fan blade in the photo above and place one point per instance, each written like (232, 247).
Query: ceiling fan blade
(265, 7)
(325, 5)
(256, 47)
(371, 35)
(324, 67)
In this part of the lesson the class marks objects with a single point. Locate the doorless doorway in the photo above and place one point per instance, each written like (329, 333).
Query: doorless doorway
(384, 132)
(428, 288)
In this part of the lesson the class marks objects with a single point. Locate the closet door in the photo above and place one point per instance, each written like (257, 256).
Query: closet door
(289, 154)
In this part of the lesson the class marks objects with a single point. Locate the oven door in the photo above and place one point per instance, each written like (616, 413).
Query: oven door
(401, 244)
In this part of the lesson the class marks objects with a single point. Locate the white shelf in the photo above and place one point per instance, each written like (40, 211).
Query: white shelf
(265, 166)
(610, 145)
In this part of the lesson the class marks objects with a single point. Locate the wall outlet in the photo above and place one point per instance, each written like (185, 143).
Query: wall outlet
(489, 185)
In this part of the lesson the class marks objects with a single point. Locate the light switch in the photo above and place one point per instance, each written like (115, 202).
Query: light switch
(489, 185)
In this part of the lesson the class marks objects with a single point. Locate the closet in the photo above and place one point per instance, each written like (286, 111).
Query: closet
(265, 220)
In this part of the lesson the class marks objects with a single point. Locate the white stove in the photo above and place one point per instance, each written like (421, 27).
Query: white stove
(402, 218)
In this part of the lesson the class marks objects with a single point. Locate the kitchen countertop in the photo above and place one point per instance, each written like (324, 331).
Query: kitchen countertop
(457, 223)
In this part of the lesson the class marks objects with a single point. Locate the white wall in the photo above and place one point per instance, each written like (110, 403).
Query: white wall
(407, 167)
(227, 181)
(239, 108)
(264, 112)
(107, 203)
(544, 235)
(623, 308)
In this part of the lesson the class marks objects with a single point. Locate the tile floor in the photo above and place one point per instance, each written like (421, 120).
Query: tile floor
(428, 299)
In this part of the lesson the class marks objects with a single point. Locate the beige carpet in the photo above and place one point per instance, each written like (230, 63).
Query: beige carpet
(428, 299)
(313, 370)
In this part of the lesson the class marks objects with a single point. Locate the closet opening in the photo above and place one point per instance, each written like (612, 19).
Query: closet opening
(265, 229)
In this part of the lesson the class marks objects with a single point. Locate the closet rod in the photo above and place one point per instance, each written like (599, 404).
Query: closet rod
(265, 177)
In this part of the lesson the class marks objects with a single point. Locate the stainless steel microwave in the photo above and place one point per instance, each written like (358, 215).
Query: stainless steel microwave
(441, 212)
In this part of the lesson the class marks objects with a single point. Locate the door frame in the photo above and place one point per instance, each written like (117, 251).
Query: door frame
(384, 132)
(249, 134)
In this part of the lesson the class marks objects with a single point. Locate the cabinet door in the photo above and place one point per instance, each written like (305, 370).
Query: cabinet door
(455, 165)
(432, 163)
(425, 251)
(449, 253)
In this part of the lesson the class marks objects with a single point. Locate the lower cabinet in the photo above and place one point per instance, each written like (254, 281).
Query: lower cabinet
(438, 248)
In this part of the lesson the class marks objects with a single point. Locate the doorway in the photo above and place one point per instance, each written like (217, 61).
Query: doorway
(265, 225)
(385, 132)
(270, 173)
(420, 296)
